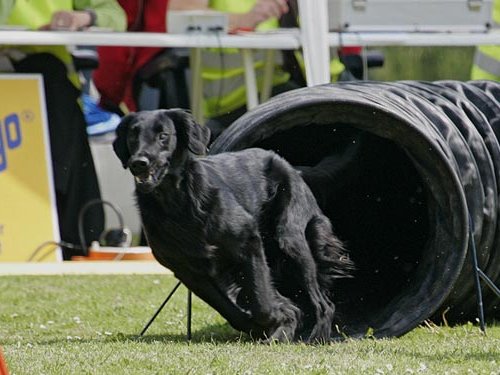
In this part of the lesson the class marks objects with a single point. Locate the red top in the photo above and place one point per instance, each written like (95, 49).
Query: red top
(350, 50)
(118, 65)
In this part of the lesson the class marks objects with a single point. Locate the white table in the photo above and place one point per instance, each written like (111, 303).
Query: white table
(313, 36)
(413, 39)
(277, 40)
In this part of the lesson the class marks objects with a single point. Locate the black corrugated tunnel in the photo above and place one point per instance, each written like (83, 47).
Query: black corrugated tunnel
(398, 168)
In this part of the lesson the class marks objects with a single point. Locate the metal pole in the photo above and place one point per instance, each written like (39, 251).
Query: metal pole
(189, 314)
(488, 281)
(159, 309)
(479, 295)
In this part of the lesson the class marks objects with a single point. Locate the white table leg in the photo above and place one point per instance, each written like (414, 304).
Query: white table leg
(267, 81)
(196, 85)
(315, 46)
(250, 80)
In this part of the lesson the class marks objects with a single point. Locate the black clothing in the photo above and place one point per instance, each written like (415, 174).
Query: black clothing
(75, 178)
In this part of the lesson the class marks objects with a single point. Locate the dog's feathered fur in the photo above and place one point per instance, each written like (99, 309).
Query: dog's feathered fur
(241, 229)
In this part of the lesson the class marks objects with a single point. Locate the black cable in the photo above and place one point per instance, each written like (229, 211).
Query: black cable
(55, 245)
(82, 246)
(83, 210)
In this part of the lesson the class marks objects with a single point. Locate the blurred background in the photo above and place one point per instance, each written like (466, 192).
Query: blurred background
(425, 63)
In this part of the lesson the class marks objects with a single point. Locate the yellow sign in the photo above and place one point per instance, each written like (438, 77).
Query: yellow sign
(28, 215)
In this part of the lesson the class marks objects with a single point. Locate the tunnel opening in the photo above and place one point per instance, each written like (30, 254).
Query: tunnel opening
(377, 203)
(409, 164)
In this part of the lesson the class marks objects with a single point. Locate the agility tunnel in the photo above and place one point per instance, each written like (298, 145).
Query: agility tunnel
(408, 172)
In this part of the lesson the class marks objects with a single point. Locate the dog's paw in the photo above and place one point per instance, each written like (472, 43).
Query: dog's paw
(288, 319)
(322, 329)
(321, 333)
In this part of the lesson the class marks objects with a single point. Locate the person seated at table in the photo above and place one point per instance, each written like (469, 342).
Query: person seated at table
(118, 66)
(224, 91)
(75, 178)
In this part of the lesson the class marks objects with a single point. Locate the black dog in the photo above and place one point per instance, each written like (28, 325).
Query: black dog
(241, 230)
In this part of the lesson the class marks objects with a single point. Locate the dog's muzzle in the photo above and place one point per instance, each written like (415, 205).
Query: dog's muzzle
(140, 166)
(147, 173)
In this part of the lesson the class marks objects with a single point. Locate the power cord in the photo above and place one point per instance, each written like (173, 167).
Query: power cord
(118, 237)
(54, 245)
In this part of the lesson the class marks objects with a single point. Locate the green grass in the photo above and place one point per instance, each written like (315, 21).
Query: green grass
(90, 324)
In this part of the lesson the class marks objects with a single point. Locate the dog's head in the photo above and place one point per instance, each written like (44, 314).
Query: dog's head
(153, 144)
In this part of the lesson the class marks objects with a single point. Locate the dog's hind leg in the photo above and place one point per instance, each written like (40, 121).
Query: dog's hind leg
(297, 249)
(292, 205)
(276, 314)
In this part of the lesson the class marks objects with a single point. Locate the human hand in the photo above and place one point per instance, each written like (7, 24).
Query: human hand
(265, 9)
(69, 20)
(262, 11)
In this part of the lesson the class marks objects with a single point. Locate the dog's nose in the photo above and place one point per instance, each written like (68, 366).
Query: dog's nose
(139, 165)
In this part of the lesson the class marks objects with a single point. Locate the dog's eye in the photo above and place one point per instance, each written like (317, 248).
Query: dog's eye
(163, 137)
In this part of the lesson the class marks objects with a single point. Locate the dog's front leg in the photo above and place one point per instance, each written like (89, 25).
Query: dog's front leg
(276, 314)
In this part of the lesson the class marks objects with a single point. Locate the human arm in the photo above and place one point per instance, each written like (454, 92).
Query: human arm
(86, 13)
(261, 11)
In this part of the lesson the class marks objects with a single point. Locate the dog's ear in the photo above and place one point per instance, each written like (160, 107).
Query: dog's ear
(199, 137)
(120, 143)
(190, 134)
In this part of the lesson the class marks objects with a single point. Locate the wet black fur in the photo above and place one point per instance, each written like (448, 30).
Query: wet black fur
(240, 229)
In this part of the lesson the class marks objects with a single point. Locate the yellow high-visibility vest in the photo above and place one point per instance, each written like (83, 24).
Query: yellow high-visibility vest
(223, 71)
(34, 14)
(487, 58)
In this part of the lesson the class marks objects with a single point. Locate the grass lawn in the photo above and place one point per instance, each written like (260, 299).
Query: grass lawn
(89, 325)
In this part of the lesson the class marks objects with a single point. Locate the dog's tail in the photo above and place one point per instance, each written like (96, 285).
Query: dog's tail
(332, 258)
